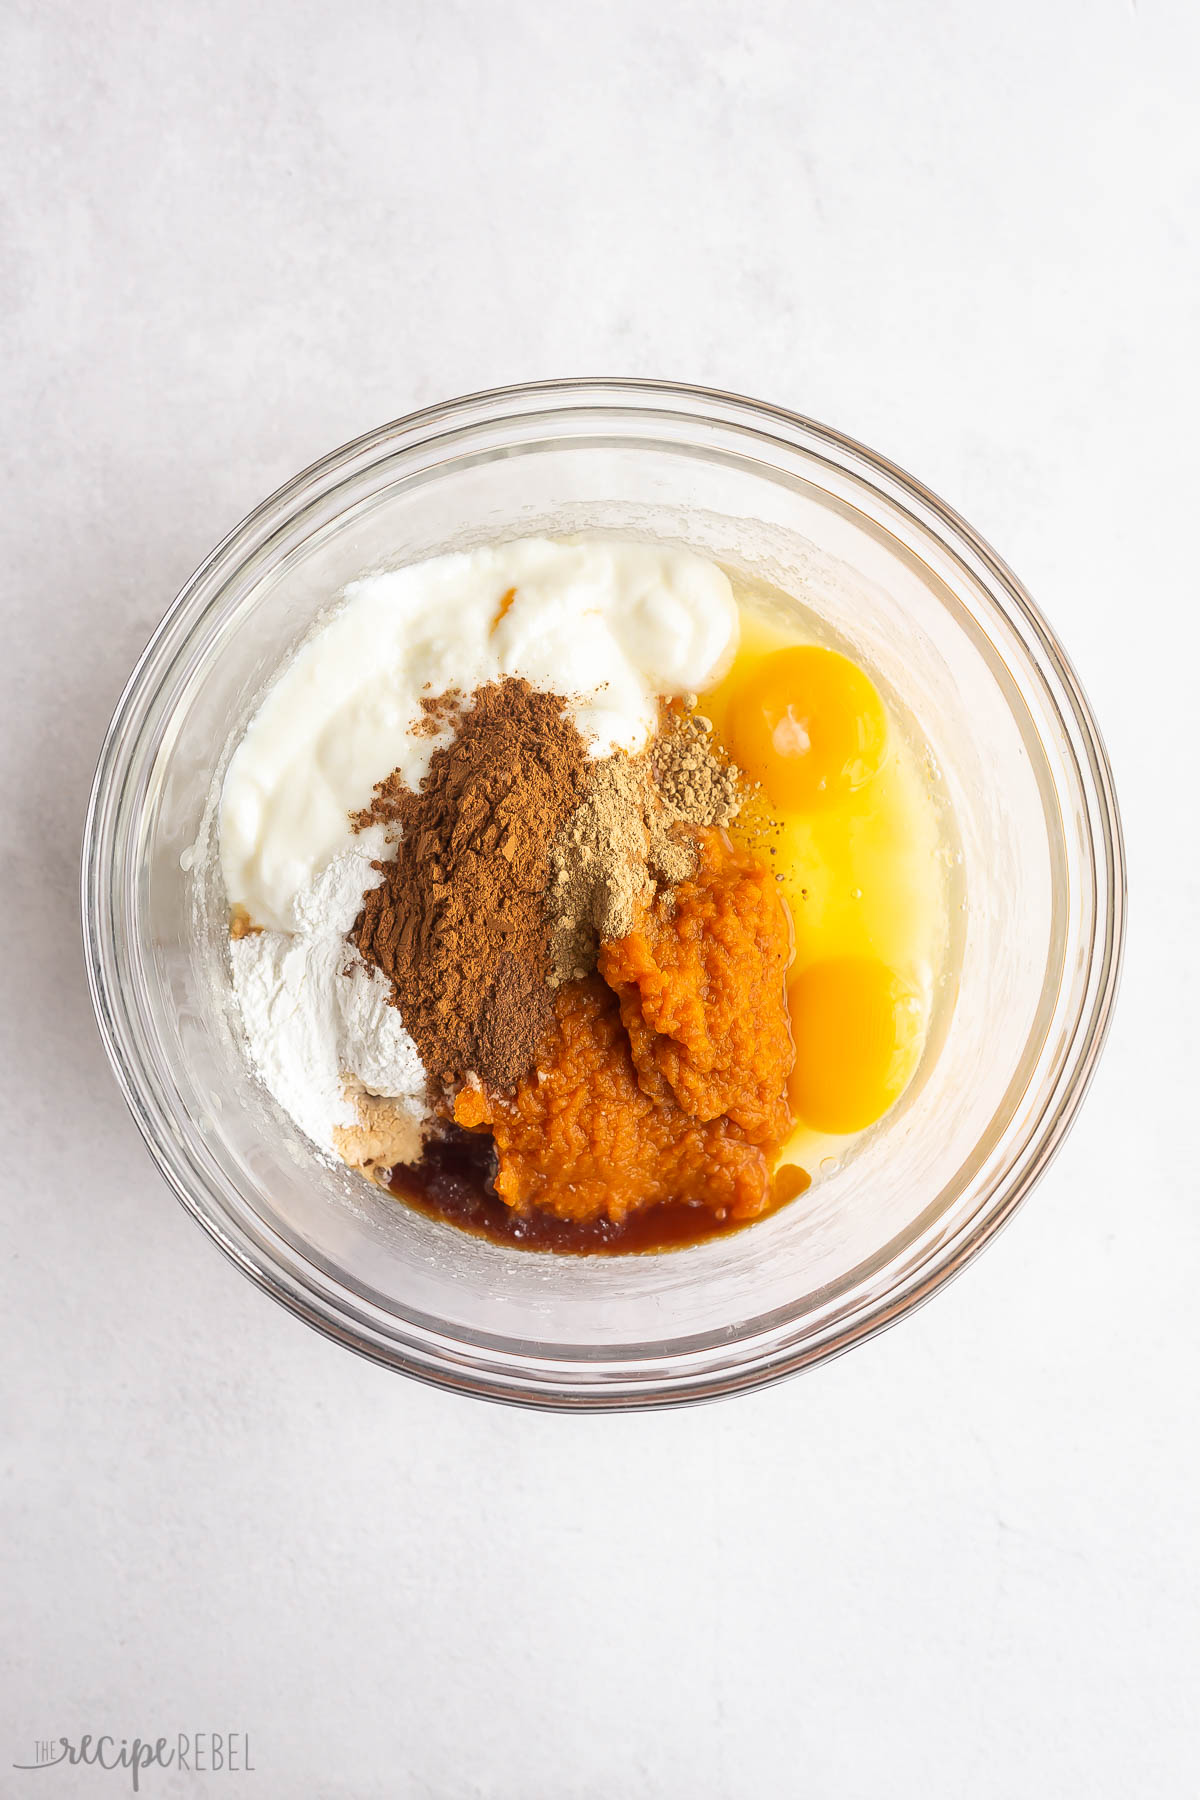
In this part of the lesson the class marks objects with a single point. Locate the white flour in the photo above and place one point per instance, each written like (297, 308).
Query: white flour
(314, 1013)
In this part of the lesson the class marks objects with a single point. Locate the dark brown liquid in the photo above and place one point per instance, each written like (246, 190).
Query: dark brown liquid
(453, 1181)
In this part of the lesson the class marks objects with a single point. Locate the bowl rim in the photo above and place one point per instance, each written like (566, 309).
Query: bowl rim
(564, 1385)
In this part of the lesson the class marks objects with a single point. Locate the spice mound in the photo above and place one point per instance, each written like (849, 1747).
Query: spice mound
(457, 925)
(628, 834)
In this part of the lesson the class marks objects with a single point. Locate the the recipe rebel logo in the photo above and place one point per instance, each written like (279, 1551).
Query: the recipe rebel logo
(195, 1752)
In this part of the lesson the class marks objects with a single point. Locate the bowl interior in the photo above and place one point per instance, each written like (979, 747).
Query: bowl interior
(905, 598)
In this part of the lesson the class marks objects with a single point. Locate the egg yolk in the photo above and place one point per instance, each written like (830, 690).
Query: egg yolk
(809, 725)
(857, 1028)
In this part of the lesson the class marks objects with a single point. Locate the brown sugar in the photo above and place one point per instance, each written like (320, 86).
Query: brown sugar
(386, 1132)
(457, 924)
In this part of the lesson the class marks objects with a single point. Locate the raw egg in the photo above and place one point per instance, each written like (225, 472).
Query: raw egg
(809, 725)
(858, 1031)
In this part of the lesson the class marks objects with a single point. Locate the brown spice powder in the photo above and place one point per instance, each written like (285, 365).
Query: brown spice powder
(625, 837)
(438, 713)
(598, 864)
(458, 922)
(694, 784)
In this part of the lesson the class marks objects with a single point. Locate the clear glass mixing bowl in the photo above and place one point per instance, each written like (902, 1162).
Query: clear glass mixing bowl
(908, 587)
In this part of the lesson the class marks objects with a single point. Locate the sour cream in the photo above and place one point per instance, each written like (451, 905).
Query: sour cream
(609, 625)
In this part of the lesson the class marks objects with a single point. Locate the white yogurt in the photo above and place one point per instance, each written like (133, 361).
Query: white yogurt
(608, 625)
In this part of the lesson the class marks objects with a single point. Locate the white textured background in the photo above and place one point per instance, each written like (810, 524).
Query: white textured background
(961, 1561)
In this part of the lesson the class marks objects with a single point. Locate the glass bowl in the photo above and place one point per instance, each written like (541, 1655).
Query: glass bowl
(899, 580)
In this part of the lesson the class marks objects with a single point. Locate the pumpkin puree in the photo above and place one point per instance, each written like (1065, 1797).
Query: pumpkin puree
(666, 1080)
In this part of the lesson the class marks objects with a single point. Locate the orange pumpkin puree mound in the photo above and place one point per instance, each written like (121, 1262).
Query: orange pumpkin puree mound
(701, 985)
(673, 1086)
(581, 1140)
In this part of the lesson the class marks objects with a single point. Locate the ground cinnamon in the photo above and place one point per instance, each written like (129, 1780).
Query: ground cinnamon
(458, 923)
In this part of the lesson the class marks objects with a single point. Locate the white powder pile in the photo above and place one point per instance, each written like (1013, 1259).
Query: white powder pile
(314, 1013)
